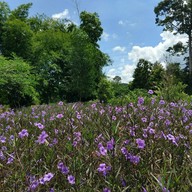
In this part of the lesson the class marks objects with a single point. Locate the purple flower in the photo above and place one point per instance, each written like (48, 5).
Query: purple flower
(140, 100)
(101, 111)
(48, 176)
(2, 139)
(42, 181)
(43, 113)
(167, 122)
(59, 116)
(23, 133)
(151, 131)
(60, 103)
(103, 168)
(123, 182)
(34, 184)
(52, 118)
(114, 118)
(55, 141)
(126, 142)
(39, 125)
(103, 150)
(144, 119)
(150, 92)
(71, 179)
(161, 102)
(78, 116)
(64, 169)
(134, 159)
(110, 144)
(164, 189)
(140, 143)
(10, 159)
(93, 105)
(124, 150)
(42, 137)
(11, 137)
(172, 138)
(2, 156)
(106, 189)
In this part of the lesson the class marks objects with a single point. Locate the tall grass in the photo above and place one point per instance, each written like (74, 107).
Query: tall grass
(141, 146)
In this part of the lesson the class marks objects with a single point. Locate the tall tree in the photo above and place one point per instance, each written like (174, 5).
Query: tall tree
(16, 38)
(176, 16)
(21, 12)
(156, 75)
(91, 24)
(4, 14)
(141, 75)
(83, 69)
(51, 62)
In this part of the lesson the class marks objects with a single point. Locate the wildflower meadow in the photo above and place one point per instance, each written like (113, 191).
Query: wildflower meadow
(143, 146)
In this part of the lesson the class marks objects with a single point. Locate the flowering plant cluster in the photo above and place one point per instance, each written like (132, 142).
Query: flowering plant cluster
(142, 146)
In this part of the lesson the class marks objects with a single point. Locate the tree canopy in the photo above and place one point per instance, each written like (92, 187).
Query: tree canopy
(64, 57)
(176, 16)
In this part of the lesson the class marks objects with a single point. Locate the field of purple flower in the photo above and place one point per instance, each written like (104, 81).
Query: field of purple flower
(139, 147)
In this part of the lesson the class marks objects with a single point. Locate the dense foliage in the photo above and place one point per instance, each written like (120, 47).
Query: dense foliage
(66, 58)
(17, 83)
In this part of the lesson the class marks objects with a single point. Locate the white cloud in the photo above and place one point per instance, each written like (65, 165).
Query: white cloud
(158, 52)
(121, 22)
(62, 15)
(127, 73)
(119, 48)
(105, 36)
(126, 22)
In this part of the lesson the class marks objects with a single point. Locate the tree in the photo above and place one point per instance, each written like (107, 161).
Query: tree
(91, 24)
(117, 79)
(51, 60)
(21, 12)
(84, 69)
(17, 84)
(105, 90)
(156, 75)
(16, 38)
(174, 70)
(4, 14)
(141, 75)
(176, 16)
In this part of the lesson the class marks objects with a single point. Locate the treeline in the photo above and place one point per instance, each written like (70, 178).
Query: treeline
(44, 60)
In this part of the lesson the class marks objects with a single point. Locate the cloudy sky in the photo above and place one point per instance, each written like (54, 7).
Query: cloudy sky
(129, 28)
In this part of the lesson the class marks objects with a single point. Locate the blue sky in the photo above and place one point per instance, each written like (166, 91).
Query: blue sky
(129, 28)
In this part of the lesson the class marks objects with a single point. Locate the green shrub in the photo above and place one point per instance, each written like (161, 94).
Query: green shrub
(17, 84)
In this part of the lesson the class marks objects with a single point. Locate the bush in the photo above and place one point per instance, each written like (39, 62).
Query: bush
(17, 84)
